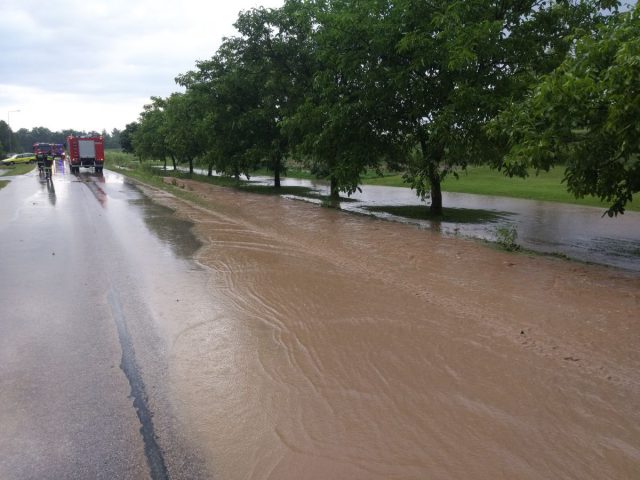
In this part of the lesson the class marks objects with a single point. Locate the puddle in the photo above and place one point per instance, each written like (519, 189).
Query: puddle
(174, 232)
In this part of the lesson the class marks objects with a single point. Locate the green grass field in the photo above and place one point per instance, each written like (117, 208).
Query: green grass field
(19, 169)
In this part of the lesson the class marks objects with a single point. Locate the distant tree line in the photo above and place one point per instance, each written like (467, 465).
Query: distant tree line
(23, 139)
(425, 87)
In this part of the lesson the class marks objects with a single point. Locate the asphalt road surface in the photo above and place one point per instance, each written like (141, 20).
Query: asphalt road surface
(73, 399)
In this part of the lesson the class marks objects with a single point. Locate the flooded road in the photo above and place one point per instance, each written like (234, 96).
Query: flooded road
(334, 346)
(81, 364)
(274, 339)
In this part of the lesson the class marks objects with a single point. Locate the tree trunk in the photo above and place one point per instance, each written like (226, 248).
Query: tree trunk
(276, 179)
(432, 164)
(191, 166)
(277, 166)
(436, 193)
(165, 163)
(210, 171)
(173, 160)
(334, 194)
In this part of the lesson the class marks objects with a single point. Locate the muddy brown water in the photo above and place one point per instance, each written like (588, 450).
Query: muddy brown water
(579, 232)
(323, 345)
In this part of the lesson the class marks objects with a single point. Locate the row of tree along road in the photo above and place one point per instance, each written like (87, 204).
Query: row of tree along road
(428, 87)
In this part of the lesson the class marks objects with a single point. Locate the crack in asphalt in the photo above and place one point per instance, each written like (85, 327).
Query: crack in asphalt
(129, 366)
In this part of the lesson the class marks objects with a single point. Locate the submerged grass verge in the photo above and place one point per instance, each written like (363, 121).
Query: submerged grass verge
(482, 180)
(154, 177)
(151, 174)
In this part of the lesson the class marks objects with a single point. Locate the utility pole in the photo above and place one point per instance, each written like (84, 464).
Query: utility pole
(9, 125)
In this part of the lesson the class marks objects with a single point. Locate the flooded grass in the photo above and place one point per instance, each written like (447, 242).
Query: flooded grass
(244, 185)
(328, 201)
(300, 173)
(454, 215)
(3, 183)
(150, 173)
(482, 180)
(270, 190)
(310, 331)
(141, 174)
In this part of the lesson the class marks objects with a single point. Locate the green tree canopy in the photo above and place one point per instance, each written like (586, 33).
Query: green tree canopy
(127, 135)
(585, 116)
(432, 74)
(183, 137)
(250, 86)
(149, 139)
(225, 95)
(6, 138)
(350, 84)
(339, 123)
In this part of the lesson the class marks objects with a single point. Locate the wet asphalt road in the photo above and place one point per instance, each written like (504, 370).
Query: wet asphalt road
(73, 397)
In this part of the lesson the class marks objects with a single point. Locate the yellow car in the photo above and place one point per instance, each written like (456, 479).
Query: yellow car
(19, 158)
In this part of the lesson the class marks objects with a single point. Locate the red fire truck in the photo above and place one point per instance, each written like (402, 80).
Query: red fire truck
(41, 150)
(85, 152)
(44, 155)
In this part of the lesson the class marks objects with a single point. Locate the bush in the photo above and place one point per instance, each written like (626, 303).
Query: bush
(506, 237)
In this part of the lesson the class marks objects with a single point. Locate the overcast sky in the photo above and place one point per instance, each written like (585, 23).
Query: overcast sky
(93, 64)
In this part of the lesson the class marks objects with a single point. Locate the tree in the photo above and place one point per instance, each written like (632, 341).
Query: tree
(249, 87)
(272, 56)
(24, 139)
(126, 137)
(338, 125)
(432, 74)
(149, 138)
(183, 137)
(585, 116)
(222, 92)
(5, 137)
(112, 140)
